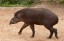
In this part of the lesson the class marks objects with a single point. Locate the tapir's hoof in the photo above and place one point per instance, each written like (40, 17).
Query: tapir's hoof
(32, 36)
(49, 37)
(19, 33)
(57, 37)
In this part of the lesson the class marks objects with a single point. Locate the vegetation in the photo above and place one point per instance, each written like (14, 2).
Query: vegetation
(62, 1)
(25, 2)
(17, 2)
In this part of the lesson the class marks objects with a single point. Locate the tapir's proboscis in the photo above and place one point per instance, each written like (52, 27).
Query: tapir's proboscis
(36, 16)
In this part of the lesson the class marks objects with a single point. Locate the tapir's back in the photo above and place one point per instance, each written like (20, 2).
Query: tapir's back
(40, 16)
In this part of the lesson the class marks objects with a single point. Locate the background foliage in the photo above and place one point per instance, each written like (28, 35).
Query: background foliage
(27, 2)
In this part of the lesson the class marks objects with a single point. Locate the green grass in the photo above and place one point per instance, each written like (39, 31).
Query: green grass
(9, 3)
(62, 2)
(27, 3)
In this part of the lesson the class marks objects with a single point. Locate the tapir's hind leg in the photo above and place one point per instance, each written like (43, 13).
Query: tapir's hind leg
(52, 30)
(56, 34)
(33, 30)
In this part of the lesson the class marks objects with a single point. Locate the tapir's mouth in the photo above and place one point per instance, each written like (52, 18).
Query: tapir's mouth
(12, 23)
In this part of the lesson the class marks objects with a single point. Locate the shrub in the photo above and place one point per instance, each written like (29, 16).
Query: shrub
(61, 1)
(17, 2)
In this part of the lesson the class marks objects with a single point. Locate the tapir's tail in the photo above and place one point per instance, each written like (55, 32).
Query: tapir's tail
(57, 20)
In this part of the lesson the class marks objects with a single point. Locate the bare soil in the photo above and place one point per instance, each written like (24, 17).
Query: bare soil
(10, 32)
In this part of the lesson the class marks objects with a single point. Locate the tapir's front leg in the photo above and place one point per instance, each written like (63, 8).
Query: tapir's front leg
(23, 27)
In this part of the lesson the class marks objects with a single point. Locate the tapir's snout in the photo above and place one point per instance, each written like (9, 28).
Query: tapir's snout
(12, 21)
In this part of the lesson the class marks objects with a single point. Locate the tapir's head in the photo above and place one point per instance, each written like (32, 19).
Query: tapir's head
(17, 18)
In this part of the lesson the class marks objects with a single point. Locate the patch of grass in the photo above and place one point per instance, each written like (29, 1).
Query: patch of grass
(27, 3)
(17, 3)
(62, 2)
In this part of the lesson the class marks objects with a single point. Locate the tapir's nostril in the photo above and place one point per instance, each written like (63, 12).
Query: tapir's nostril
(10, 23)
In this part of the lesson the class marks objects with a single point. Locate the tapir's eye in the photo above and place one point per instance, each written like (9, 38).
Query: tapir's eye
(16, 17)
(13, 19)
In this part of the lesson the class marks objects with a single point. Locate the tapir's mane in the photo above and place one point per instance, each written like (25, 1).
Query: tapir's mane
(16, 13)
(20, 11)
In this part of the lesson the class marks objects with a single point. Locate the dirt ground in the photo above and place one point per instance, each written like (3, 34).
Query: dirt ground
(10, 32)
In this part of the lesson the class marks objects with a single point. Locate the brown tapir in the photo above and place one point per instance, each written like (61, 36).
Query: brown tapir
(38, 16)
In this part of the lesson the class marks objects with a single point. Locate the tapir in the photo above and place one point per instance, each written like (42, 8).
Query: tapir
(36, 16)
